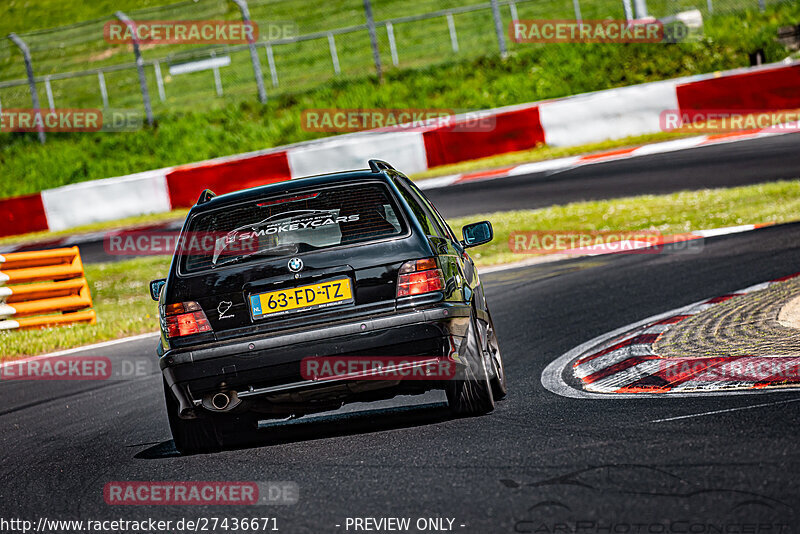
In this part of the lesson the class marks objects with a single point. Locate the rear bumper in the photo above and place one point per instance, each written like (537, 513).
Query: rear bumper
(271, 365)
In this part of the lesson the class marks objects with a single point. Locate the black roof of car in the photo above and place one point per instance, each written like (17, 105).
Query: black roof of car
(255, 193)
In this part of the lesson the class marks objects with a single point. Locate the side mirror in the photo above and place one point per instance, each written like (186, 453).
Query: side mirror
(155, 288)
(477, 233)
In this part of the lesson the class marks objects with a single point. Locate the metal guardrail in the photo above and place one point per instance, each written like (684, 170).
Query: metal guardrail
(790, 36)
(402, 38)
(312, 36)
(48, 288)
(280, 54)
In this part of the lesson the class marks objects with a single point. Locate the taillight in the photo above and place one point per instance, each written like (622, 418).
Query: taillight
(185, 319)
(418, 277)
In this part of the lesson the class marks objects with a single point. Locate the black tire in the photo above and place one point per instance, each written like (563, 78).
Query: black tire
(498, 381)
(471, 395)
(191, 436)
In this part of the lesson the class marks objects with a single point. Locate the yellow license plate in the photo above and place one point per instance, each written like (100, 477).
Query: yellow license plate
(321, 295)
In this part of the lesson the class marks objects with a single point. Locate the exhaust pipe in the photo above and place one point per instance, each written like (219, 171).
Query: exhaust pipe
(220, 401)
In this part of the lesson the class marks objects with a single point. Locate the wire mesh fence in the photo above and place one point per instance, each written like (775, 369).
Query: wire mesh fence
(299, 46)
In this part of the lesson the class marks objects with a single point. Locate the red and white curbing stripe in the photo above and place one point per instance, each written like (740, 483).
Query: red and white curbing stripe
(572, 162)
(576, 120)
(624, 362)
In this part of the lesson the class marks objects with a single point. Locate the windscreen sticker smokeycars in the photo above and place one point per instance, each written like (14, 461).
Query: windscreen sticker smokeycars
(292, 222)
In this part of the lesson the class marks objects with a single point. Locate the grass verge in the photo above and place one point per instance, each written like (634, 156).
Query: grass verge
(124, 307)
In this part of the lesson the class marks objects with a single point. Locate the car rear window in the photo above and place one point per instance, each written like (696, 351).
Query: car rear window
(273, 227)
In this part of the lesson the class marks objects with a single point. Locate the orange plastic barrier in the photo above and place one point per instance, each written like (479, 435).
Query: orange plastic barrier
(48, 289)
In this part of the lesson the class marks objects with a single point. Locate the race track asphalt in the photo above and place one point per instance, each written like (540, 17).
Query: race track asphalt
(724, 165)
(539, 463)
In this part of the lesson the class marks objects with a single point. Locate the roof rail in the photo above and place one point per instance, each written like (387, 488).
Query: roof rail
(378, 165)
(205, 196)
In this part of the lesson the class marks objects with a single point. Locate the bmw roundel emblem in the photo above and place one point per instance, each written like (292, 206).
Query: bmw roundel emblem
(295, 265)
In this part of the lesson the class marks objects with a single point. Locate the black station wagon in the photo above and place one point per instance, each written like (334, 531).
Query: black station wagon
(298, 297)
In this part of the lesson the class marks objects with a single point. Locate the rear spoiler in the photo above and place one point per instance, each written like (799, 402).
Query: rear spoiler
(205, 196)
(377, 165)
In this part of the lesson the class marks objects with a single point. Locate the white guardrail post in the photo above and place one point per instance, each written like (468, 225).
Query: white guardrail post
(262, 93)
(137, 53)
(26, 54)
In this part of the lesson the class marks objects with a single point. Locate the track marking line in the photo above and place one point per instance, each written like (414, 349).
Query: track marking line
(84, 348)
(727, 410)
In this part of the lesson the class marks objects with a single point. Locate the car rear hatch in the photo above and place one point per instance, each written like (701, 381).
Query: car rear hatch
(326, 254)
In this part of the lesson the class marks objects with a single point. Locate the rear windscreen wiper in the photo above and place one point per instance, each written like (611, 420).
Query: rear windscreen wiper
(272, 251)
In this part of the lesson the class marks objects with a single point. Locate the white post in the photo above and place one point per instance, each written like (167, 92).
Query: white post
(334, 55)
(217, 80)
(373, 39)
(262, 93)
(498, 28)
(710, 6)
(159, 81)
(272, 70)
(626, 5)
(26, 54)
(392, 44)
(101, 79)
(137, 54)
(453, 36)
(49, 91)
(513, 7)
(576, 5)
(640, 7)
